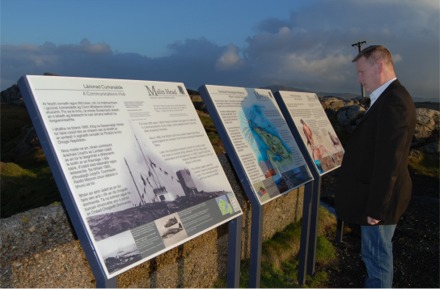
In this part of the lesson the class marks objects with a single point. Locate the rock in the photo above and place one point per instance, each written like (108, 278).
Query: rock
(426, 136)
(334, 103)
(29, 142)
(12, 95)
(349, 116)
(427, 122)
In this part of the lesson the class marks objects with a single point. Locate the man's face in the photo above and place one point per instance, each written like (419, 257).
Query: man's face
(368, 74)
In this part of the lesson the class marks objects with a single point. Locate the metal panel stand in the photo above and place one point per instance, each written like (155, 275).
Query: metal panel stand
(339, 231)
(309, 230)
(305, 233)
(234, 252)
(316, 195)
(256, 246)
(102, 282)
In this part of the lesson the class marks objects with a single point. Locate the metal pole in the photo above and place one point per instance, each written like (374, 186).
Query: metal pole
(256, 245)
(313, 230)
(234, 253)
(305, 233)
(359, 45)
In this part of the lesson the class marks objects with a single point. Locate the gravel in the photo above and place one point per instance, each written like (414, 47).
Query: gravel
(415, 243)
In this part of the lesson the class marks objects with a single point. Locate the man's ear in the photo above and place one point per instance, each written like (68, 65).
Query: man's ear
(380, 66)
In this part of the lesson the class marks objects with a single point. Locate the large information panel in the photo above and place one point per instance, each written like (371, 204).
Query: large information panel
(316, 131)
(136, 161)
(250, 121)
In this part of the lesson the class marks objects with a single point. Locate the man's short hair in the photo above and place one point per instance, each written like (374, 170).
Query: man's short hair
(374, 53)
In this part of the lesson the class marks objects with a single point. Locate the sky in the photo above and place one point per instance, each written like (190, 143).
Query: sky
(304, 44)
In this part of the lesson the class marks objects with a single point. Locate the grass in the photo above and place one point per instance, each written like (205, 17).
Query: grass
(280, 262)
(26, 180)
(23, 189)
(211, 131)
(13, 118)
(423, 165)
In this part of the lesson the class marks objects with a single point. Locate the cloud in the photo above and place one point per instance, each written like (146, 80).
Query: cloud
(97, 60)
(230, 59)
(310, 49)
(313, 47)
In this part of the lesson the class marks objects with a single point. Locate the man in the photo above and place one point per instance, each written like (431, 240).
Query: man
(374, 186)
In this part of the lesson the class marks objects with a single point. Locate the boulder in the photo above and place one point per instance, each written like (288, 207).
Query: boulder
(426, 136)
(348, 117)
(334, 103)
(12, 95)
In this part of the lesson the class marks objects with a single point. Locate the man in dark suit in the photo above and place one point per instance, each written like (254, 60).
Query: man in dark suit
(374, 187)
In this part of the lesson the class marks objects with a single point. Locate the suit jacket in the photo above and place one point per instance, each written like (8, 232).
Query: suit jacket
(373, 178)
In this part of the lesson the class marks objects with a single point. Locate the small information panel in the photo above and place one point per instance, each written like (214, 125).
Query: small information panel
(314, 127)
(135, 159)
(260, 139)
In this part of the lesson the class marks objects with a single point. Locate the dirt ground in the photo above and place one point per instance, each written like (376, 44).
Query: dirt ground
(415, 243)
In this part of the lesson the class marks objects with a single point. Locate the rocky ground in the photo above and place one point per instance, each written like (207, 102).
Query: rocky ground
(416, 242)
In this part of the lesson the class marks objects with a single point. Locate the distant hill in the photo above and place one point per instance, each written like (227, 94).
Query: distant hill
(342, 95)
(12, 95)
(427, 104)
(420, 102)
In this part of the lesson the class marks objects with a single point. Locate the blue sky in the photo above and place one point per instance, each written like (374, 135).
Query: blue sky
(296, 43)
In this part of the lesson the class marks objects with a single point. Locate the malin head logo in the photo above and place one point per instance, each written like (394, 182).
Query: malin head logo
(151, 91)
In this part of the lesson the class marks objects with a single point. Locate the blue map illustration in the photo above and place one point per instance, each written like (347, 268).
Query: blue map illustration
(270, 150)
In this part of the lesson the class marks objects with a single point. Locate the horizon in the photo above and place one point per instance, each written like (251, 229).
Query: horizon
(305, 43)
(274, 88)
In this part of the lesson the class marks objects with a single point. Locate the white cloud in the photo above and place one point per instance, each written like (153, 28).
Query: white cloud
(230, 59)
(100, 48)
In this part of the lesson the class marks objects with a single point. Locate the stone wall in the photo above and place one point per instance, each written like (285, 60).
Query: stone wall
(40, 249)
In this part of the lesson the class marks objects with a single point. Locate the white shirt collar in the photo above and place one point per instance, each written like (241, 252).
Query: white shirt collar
(378, 91)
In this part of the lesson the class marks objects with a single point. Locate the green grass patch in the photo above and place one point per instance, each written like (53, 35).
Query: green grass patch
(13, 119)
(212, 132)
(424, 165)
(24, 189)
(280, 261)
(26, 180)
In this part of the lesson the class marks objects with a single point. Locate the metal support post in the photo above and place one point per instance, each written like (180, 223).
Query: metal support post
(305, 233)
(316, 195)
(234, 252)
(256, 246)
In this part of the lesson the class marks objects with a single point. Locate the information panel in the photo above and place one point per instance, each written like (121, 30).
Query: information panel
(260, 139)
(314, 127)
(136, 160)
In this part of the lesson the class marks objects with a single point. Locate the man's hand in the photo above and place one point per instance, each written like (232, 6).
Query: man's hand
(372, 221)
